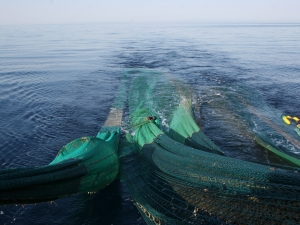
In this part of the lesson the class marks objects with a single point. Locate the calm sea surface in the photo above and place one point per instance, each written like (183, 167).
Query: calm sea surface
(58, 82)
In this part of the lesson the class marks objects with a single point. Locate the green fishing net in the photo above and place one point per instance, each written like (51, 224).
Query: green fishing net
(84, 165)
(174, 172)
(190, 181)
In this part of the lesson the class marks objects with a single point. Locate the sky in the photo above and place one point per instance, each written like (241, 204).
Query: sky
(103, 11)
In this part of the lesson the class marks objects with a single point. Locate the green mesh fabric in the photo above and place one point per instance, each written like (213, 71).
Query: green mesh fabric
(173, 183)
(30, 185)
(270, 134)
(184, 129)
(84, 165)
(121, 95)
(174, 172)
(297, 130)
(148, 96)
(266, 143)
(98, 155)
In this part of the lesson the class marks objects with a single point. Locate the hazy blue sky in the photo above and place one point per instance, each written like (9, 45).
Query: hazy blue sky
(85, 11)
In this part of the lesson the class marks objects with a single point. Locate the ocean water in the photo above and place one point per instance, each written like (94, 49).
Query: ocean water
(58, 83)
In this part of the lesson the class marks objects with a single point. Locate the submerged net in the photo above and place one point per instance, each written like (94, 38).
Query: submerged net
(173, 183)
(174, 172)
(85, 164)
(264, 140)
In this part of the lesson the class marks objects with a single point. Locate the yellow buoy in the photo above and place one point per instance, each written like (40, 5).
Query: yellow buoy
(286, 119)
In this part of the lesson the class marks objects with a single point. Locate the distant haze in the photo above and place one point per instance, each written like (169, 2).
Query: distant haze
(97, 11)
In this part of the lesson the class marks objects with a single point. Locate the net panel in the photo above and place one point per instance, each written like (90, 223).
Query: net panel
(148, 95)
(184, 129)
(173, 183)
(228, 189)
(99, 156)
(266, 143)
(84, 165)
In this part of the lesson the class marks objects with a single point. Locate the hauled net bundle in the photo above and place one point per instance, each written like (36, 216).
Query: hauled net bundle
(86, 164)
(174, 172)
(173, 183)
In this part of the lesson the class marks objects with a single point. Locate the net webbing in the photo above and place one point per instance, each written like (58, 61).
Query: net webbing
(173, 183)
(228, 189)
(174, 172)
(83, 165)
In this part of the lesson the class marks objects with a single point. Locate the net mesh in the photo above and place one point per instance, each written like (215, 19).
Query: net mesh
(165, 172)
(174, 172)
(83, 165)
(173, 183)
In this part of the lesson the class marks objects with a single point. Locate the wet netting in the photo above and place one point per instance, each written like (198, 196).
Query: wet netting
(174, 172)
(264, 140)
(176, 175)
(84, 165)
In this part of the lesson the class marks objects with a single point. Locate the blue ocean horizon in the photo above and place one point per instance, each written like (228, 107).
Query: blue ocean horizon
(58, 83)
